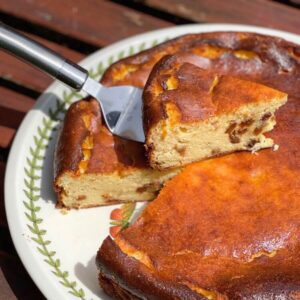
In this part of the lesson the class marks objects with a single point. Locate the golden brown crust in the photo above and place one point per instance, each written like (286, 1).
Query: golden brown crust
(208, 50)
(73, 132)
(226, 220)
(123, 277)
(217, 233)
(140, 65)
(122, 274)
(240, 237)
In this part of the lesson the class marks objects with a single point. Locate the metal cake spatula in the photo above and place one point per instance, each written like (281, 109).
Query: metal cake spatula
(121, 105)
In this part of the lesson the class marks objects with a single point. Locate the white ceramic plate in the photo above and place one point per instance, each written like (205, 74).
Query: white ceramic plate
(59, 250)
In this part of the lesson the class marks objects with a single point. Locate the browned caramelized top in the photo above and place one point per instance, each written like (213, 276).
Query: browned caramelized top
(86, 145)
(135, 69)
(266, 60)
(183, 92)
(222, 222)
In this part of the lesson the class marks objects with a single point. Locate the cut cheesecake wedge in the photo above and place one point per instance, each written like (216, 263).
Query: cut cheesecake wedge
(94, 168)
(191, 114)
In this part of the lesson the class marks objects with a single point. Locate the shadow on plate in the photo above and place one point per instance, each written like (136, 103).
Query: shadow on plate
(88, 276)
(46, 102)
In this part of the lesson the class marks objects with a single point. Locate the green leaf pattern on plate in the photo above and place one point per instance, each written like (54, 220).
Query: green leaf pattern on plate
(34, 165)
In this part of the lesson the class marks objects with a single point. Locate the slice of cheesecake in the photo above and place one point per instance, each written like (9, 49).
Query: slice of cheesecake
(93, 168)
(191, 114)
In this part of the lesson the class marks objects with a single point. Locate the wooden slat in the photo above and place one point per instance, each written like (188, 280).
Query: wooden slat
(6, 136)
(12, 273)
(254, 12)
(13, 100)
(21, 73)
(13, 107)
(96, 22)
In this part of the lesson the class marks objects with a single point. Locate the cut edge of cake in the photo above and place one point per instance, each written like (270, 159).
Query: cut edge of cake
(90, 190)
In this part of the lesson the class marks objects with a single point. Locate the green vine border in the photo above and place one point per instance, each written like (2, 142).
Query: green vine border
(33, 168)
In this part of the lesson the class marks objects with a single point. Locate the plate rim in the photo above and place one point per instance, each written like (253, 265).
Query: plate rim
(26, 254)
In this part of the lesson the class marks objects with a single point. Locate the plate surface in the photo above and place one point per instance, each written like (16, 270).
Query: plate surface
(58, 250)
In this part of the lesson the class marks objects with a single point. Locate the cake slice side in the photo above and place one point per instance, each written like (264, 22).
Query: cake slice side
(191, 114)
(90, 162)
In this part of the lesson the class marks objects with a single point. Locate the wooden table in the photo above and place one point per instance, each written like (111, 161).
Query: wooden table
(76, 28)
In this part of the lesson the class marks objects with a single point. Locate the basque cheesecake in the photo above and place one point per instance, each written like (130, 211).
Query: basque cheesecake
(226, 227)
(191, 114)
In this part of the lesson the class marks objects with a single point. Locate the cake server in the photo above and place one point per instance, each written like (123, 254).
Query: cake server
(121, 105)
